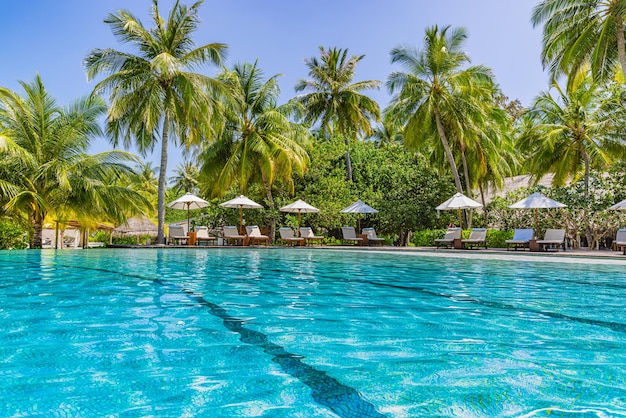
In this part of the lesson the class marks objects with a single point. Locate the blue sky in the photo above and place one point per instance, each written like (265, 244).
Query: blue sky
(53, 37)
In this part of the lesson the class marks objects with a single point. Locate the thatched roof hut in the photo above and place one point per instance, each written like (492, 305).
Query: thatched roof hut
(135, 227)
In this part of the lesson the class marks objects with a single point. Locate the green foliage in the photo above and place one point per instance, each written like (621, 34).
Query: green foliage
(426, 238)
(141, 240)
(400, 184)
(12, 236)
(496, 238)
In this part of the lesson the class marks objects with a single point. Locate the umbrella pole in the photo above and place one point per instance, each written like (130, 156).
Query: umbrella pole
(460, 219)
(188, 230)
(298, 222)
(536, 221)
(240, 220)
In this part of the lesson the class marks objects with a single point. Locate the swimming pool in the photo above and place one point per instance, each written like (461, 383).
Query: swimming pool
(308, 333)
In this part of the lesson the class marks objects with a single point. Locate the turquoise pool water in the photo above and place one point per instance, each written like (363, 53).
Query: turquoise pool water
(308, 333)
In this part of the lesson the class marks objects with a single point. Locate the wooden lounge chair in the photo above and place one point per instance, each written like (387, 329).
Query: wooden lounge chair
(202, 236)
(372, 239)
(306, 232)
(231, 234)
(176, 235)
(620, 240)
(477, 238)
(448, 239)
(287, 235)
(553, 238)
(521, 239)
(349, 235)
(255, 236)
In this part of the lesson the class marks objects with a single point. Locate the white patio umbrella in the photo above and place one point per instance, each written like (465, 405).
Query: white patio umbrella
(299, 206)
(241, 202)
(359, 207)
(537, 201)
(619, 206)
(459, 202)
(188, 201)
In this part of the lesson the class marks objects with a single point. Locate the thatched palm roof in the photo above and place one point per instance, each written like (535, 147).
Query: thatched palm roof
(138, 225)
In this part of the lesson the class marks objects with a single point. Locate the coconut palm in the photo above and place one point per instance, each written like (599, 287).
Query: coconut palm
(154, 94)
(259, 143)
(442, 104)
(578, 130)
(44, 168)
(185, 178)
(389, 131)
(578, 32)
(334, 101)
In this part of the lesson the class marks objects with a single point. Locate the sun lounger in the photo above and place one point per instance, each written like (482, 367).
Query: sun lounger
(620, 240)
(176, 235)
(231, 234)
(306, 232)
(202, 235)
(349, 235)
(554, 238)
(255, 236)
(287, 235)
(477, 238)
(372, 239)
(448, 239)
(521, 239)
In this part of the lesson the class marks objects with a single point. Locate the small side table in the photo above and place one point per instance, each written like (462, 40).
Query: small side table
(533, 246)
(457, 244)
(364, 242)
(192, 238)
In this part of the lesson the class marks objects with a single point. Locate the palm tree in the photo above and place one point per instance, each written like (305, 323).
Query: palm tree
(186, 178)
(441, 103)
(154, 93)
(144, 181)
(388, 132)
(575, 132)
(334, 101)
(259, 143)
(44, 169)
(580, 32)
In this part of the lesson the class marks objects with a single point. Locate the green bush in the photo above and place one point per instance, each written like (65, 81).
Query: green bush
(496, 238)
(12, 236)
(427, 237)
(143, 240)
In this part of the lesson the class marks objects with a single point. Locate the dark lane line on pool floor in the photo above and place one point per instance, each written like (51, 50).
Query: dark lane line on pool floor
(343, 400)
(615, 326)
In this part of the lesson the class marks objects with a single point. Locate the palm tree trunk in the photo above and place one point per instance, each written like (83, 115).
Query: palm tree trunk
(468, 190)
(621, 43)
(270, 199)
(586, 160)
(348, 161)
(162, 178)
(446, 147)
(37, 232)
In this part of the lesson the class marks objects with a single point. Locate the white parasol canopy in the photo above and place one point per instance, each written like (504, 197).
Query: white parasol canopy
(459, 202)
(359, 207)
(299, 206)
(619, 206)
(537, 201)
(241, 202)
(188, 201)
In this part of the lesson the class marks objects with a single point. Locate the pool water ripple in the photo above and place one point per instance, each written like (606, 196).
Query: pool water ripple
(238, 333)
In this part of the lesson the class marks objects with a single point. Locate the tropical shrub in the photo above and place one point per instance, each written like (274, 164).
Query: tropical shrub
(12, 236)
